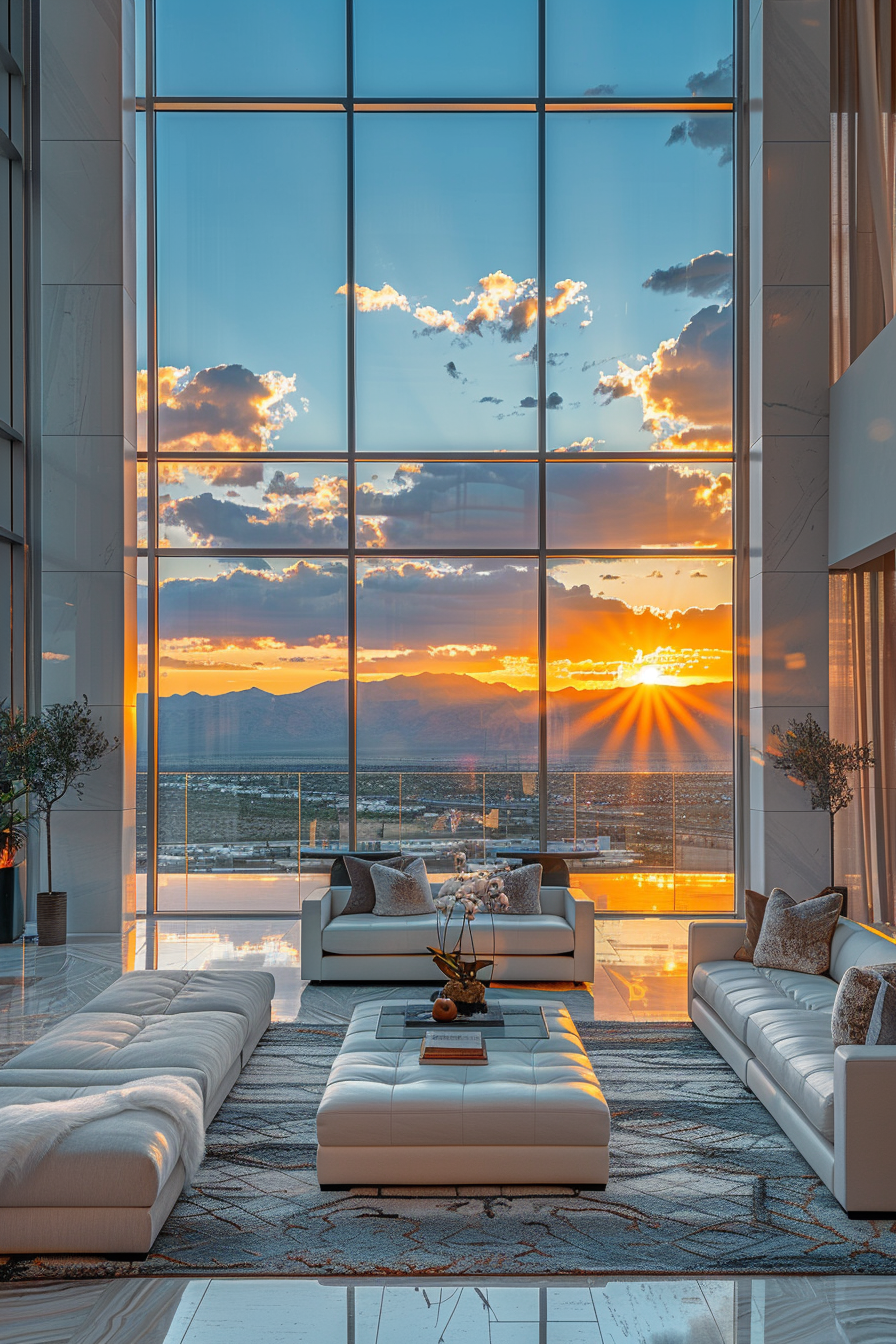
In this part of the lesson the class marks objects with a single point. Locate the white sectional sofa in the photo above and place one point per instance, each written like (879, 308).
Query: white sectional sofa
(774, 1028)
(556, 945)
(107, 1187)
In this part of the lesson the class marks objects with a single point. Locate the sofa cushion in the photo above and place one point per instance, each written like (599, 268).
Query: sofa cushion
(117, 1161)
(796, 935)
(735, 990)
(156, 993)
(853, 945)
(207, 1042)
(816, 992)
(795, 1047)
(402, 893)
(410, 935)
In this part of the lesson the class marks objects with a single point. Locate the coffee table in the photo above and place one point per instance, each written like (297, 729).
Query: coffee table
(534, 1115)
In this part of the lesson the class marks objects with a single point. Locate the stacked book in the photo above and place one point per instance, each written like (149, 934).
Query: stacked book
(453, 1047)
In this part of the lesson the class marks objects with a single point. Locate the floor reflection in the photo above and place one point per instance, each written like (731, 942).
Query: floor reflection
(787, 1310)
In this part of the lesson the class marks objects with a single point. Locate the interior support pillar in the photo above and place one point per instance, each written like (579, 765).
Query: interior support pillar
(789, 296)
(89, 433)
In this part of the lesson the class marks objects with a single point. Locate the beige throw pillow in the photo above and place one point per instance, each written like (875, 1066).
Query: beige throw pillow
(796, 935)
(857, 996)
(406, 893)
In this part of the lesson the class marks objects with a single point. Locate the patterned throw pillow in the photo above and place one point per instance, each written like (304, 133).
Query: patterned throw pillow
(854, 1006)
(522, 887)
(796, 935)
(363, 897)
(406, 893)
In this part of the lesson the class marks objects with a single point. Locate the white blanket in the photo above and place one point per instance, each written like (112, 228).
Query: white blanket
(28, 1132)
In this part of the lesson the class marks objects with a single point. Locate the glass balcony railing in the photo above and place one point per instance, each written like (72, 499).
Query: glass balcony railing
(263, 839)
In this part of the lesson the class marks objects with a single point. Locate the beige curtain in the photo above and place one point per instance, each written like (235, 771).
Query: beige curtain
(863, 177)
(863, 708)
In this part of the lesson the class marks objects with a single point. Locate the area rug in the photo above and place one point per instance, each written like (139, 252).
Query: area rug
(702, 1181)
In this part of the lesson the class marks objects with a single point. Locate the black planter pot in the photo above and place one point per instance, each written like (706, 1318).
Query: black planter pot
(12, 908)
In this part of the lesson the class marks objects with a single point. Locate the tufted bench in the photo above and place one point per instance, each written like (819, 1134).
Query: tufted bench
(108, 1186)
(534, 1115)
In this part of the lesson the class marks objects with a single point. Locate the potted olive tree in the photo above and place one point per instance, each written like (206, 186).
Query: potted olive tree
(810, 756)
(50, 753)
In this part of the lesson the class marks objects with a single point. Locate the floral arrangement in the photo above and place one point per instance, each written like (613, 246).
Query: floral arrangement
(470, 893)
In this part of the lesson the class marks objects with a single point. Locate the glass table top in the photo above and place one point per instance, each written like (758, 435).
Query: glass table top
(522, 1021)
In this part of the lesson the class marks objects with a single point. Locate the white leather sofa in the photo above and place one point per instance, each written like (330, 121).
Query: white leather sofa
(836, 1104)
(557, 945)
(108, 1186)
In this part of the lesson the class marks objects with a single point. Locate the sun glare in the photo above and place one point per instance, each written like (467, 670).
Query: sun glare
(650, 675)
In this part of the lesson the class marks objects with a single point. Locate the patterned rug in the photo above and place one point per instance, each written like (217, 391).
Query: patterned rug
(702, 1181)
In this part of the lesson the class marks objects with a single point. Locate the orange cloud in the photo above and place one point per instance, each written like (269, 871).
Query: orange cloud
(377, 300)
(685, 389)
(502, 303)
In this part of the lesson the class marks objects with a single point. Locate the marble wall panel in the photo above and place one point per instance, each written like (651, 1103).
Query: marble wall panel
(795, 70)
(83, 359)
(769, 787)
(795, 203)
(81, 69)
(796, 852)
(94, 855)
(790, 475)
(795, 391)
(89, 628)
(81, 214)
(88, 482)
(789, 638)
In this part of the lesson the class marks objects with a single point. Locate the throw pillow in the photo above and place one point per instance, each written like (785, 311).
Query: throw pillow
(406, 893)
(522, 887)
(855, 1003)
(882, 1029)
(796, 935)
(363, 897)
(755, 912)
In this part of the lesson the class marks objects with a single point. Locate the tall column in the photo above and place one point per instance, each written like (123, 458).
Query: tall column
(789, 150)
(89, 432)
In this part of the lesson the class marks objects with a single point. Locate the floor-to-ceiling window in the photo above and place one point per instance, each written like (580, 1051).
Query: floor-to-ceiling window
(437, 331)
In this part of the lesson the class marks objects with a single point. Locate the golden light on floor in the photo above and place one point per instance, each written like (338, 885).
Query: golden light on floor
(658, 893)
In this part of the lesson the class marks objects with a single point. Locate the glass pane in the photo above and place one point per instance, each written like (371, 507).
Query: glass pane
(447, 663)
(219, 47)
(142, 744)
(252, 663)
(142, 506)
(653, 49)
(140, 50)
(251, 327)
(640, 726)
(294, 505)
(445, 296)
(141, 283)
(638, 505)
(649, 363)
(436, 504)
(478, 48)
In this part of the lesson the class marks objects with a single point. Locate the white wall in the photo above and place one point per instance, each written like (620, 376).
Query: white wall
(863, 455)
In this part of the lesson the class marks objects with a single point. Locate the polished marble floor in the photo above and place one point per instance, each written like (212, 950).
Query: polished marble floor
(639, 974)
(273, 1311)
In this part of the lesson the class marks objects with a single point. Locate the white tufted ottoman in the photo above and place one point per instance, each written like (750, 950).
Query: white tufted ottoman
(535, 1115)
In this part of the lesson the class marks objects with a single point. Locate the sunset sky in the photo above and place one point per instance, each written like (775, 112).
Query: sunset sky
(252, 310)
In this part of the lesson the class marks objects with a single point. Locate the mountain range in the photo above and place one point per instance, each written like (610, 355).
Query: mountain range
(447, 719)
